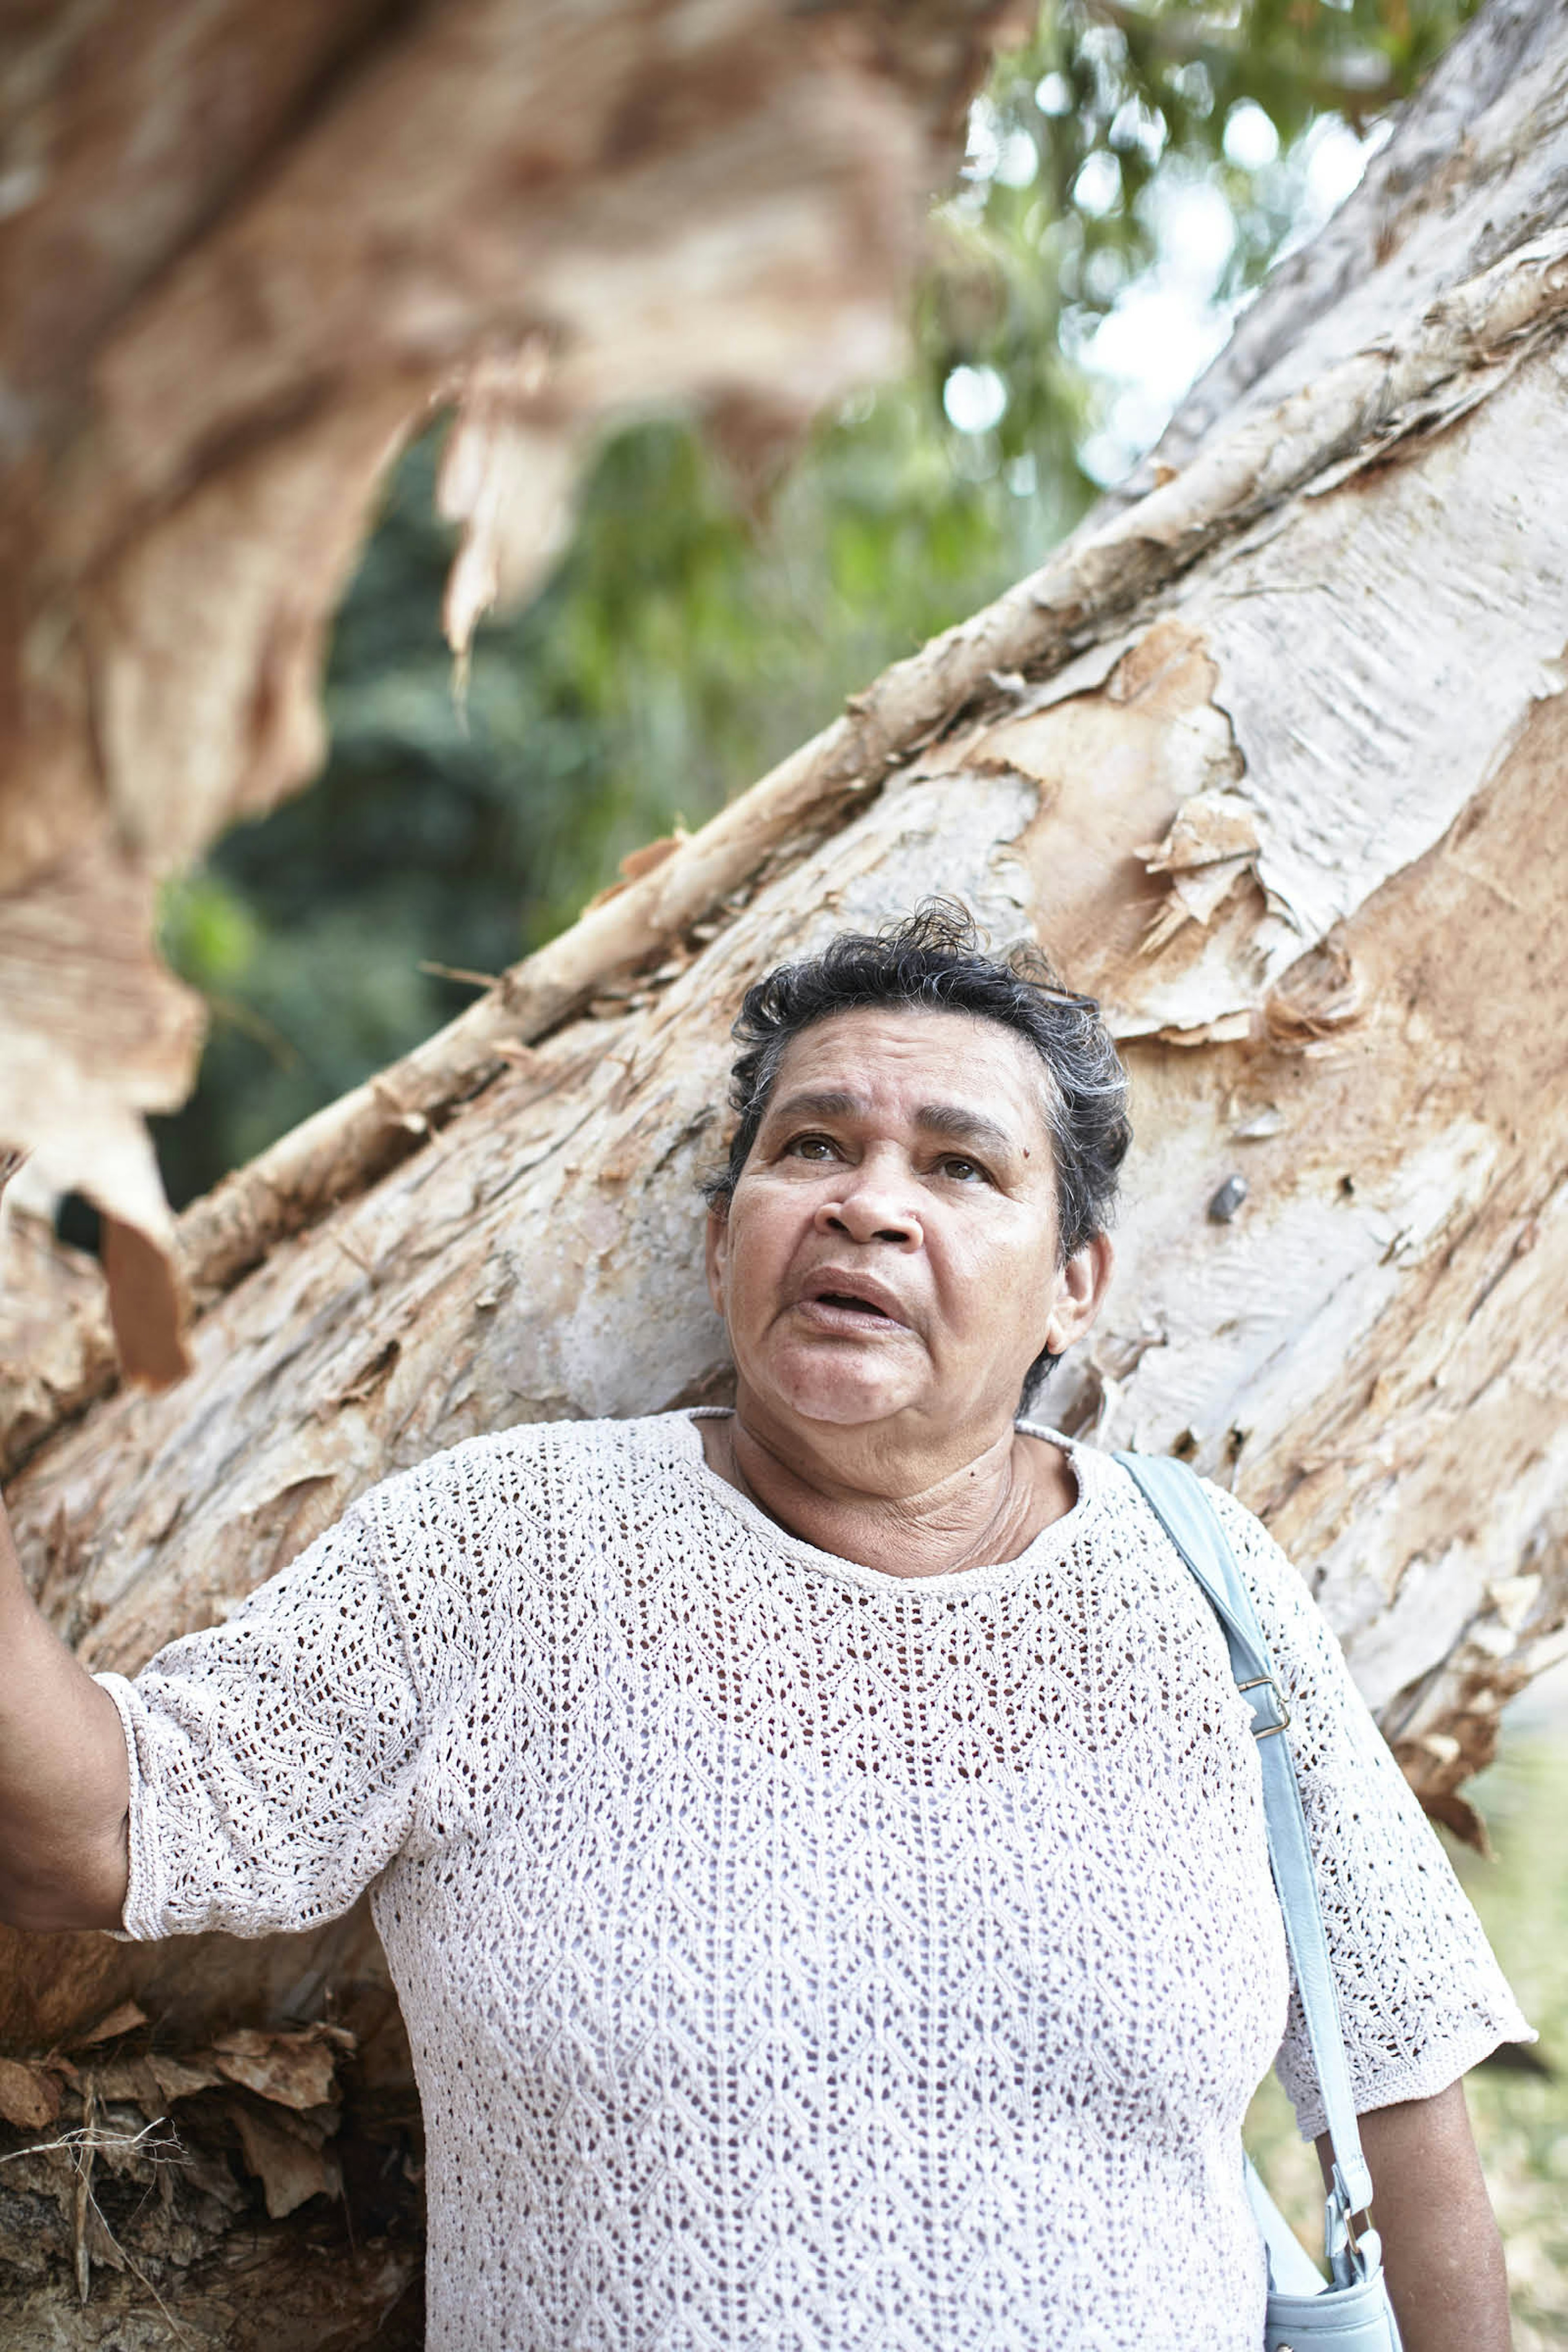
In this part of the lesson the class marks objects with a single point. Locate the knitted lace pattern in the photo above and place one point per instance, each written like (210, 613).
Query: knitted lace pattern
(796, 1955)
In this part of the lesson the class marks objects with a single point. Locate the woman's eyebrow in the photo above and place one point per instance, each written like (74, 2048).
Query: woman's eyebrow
(960, 1124)
(954, 1121)
(817, 1102)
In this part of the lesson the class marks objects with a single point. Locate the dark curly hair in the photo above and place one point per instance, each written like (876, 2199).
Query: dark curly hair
(935, 960)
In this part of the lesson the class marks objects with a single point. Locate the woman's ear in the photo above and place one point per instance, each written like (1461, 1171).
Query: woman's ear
(716, 1251)
(1081, 1286)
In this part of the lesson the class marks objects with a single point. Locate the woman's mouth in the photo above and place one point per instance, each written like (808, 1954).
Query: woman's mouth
(850, 1308)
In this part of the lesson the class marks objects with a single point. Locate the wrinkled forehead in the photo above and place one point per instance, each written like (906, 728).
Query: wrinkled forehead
(898, 1060)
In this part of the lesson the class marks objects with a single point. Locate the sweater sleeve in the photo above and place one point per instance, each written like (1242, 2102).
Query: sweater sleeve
(1422, 1998)
(273, 1759)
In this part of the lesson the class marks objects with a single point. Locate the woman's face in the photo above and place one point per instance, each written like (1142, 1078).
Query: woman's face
(889, 1252)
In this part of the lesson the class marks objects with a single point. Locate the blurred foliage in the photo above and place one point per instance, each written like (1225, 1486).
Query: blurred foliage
(686, 642)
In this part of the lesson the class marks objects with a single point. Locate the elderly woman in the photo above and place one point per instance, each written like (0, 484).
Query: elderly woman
(818, 1846)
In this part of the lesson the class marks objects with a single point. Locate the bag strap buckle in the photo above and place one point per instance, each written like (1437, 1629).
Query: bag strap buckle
(1351, 2253)
(1282, 1712)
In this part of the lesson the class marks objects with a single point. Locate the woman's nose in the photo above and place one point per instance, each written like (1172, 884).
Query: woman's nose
(870, 1205)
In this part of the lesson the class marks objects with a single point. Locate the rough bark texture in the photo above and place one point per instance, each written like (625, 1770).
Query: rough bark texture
(244, 250)
(1271, 760)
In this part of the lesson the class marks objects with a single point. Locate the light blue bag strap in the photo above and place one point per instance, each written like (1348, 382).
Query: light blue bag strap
(1177, 1499)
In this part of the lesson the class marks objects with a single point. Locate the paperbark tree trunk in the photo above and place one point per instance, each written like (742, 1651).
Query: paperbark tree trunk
(1271, 760)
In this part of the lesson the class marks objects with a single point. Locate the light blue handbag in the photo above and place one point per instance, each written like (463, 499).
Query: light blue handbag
(1350, 2311)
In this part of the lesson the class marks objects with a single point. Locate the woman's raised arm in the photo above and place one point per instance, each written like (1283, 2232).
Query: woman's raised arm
(65, 1788)
(64, 1784)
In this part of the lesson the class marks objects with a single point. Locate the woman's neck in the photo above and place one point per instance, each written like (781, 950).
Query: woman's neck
(988, 1509)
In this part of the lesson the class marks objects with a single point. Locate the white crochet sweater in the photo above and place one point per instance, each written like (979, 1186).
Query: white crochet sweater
(795, 1956)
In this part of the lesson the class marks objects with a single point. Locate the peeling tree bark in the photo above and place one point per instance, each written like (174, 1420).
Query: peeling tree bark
(1271, 760)
(244, 251)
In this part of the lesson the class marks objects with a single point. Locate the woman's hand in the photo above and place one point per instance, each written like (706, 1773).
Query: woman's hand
(1441, 2250)
(63, 1780)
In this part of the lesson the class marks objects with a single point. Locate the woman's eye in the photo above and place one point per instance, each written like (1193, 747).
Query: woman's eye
(810, 1147)
(966, 1171)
